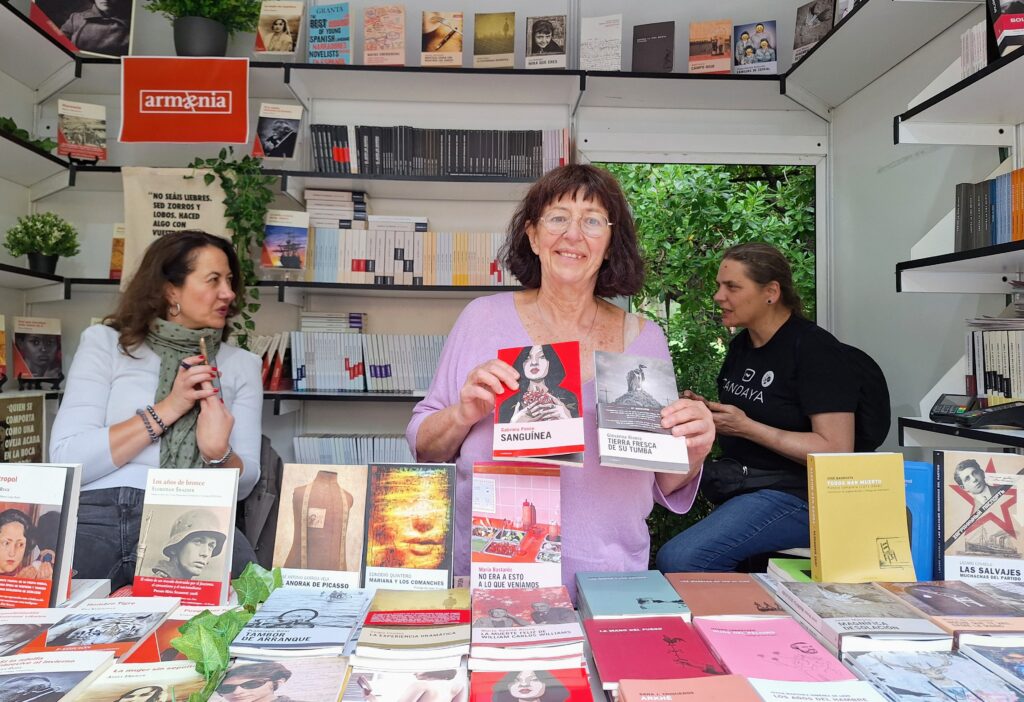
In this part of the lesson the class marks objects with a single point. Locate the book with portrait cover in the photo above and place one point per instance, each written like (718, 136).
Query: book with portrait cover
(959, 608)
(862, 617)
(330, 34)
(516, 623)
(628, 596)
(653, 648)
(37, 352)
(320, 523)
(714, 594)
(311, 679)
(631, 392)
(117, 252)
(145, 682)
(813, 23)
(845, 691)
(494, 39)
(410, 526)
(82, 27)
(542, 420)
(280, 27)
(441, 39)
(157, 646)
(858, 517)
(285, 240)
(980, 526)
(719, 688)
(446, 679)
(38, 517)
(403, 625)
(936, 676)
(654, 47)
(546, 41)
(517, 533)
(384, 35)
(1006, 17)
(771, 649)
(50, 677)
(187, 532)
(302, 621)
(81, 131)
(755, 48)
(711, 46)
(571, 685)
(277, 130)
(116, 624)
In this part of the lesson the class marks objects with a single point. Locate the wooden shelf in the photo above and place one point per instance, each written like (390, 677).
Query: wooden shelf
(984, 270)
(25, 164)
(293, 292)
(876, 36)
(921, 431)
(685, 91)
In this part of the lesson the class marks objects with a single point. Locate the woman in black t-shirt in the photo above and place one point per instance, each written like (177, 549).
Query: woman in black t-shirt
(784, 392)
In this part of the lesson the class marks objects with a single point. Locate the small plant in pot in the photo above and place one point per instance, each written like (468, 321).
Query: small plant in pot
(202, 27)
(45, 237)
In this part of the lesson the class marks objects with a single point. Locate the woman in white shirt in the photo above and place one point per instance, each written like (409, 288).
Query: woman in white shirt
(140, 395)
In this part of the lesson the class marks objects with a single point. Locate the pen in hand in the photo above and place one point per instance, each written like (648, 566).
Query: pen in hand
(210, 361)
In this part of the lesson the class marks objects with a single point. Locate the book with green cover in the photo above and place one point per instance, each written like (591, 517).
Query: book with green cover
(792, 570)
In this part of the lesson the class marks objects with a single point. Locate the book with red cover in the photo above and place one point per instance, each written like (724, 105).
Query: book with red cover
(1006, 18)
(713, 594)
(541, 420)
(659, 648)
(157, 646)
(564, 685)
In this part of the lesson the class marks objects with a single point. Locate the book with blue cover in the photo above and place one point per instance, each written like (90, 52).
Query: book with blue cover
(919, 478)
(628, 596)
(330, 34)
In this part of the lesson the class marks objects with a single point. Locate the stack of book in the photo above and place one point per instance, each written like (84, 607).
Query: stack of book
(405, 630)
(352, 449)
(332, 362)
(990, 212)
(337, 209)
(334, 322)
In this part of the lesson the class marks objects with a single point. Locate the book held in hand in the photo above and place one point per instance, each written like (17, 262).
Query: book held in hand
(277, 130)
(330, 34)
(631, 392)
(543, 418)
(38, 517)
(81, 131)
(185, 542)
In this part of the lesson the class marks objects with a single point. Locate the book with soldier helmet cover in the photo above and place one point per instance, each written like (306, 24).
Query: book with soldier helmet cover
(187, 534)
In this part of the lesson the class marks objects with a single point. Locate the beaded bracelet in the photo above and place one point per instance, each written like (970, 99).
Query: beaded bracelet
(156, 418)
(153, 438)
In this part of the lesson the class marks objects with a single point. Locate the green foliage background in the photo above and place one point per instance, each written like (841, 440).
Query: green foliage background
(686, 216)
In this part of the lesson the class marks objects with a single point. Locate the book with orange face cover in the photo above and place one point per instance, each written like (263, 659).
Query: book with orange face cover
(713, 594)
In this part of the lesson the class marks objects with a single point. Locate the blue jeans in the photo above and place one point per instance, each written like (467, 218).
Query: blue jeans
(742, 526)
(107, 538)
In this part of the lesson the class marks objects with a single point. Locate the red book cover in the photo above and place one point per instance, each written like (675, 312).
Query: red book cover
(659, 648)
(564, 685)
(157, 646)
(543, 418)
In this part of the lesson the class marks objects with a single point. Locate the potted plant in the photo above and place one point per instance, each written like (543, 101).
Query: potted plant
(45, 237)
(202, 27)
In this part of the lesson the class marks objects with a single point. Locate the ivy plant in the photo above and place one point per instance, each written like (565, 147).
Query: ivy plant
(235, 15)
(247, 194)
(9, 126)
(45, 233)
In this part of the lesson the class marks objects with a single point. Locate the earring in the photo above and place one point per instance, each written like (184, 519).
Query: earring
(176, 311)
(769, 302)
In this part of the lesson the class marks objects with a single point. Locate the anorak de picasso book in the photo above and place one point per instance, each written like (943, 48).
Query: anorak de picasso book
(542, 420)
(321, 524)
(37, 347)
(441, 39)
(185, 542)
(330, 34)
(631, 392)
(410, 526)
(494, 39)
(637, 595)
(981, 530)
(858, 518)
(773, 649)
(384, 35)
(81, 130)
(517, 535)
(862, 617)
(713, 594)
(38, 518)
(711, 46)
(525, 618)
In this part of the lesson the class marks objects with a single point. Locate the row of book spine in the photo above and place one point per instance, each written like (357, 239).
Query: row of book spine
(412, 151)
(351, 449)
(389, 257)
(990, 212)
(328, 362)
(995, 364)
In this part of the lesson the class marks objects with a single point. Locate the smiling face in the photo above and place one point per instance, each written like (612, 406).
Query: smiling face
(571, 258)
(12, 547)
(527, 686)
(542, 38)
(195, 552)
(206, 295)
(741, 300)
(536, 365)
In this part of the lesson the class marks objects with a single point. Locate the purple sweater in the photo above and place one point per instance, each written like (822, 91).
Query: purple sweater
(603, 509)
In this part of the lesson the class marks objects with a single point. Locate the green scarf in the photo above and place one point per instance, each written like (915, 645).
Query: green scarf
(173, 343)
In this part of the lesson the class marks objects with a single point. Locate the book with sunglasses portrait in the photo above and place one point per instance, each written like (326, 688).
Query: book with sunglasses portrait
(187, 533)
(542, 419)
(50, 677)
(145, 682)
(631, 392)
(312, 679)
(302, 621)
(38, 517)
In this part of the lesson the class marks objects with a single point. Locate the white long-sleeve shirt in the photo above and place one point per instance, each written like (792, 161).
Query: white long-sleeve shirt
(105, 387)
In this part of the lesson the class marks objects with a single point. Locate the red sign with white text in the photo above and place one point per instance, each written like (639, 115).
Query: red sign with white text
(184, 100)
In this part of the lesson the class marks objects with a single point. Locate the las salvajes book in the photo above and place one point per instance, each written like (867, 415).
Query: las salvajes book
(517, 534)
(81, 130)
(543, 418)
(188, 518)
(631, 392)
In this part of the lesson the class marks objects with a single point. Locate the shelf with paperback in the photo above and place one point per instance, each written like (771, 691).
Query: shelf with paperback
(921, 431)
(982, 108)
(287, 401)
(294, 292)
(985, 270)
(841, 65)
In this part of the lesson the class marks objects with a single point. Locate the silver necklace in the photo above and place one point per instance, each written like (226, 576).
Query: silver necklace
(544, 319)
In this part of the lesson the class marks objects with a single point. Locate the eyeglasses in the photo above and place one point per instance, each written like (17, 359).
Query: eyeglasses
(593, 225)
(226, 689)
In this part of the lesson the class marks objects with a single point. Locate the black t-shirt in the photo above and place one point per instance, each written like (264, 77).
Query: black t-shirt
(799, 372)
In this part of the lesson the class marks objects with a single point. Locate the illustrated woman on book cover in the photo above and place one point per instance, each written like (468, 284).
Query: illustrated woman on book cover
(530, 686)
(542, 398)
(571, 244)
(142, 394)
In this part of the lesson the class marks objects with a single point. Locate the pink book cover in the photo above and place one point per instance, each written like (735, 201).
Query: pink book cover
(659, 648)
(771, 649)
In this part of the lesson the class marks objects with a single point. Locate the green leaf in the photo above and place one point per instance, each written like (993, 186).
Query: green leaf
(208, 178)
(255, 584)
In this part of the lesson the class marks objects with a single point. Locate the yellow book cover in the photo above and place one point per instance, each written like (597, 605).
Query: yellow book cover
(858, 518)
